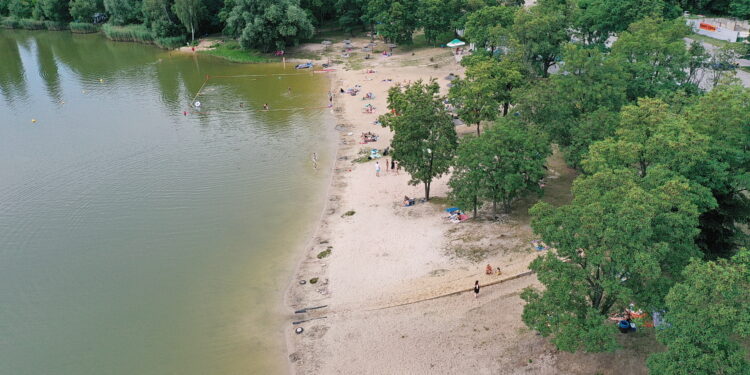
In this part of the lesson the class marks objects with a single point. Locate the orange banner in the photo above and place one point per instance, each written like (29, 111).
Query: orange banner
(706, 26)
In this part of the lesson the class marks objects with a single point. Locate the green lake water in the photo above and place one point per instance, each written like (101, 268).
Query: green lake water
(135, 239)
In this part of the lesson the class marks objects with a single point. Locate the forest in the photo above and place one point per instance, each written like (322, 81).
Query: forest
(268, 25)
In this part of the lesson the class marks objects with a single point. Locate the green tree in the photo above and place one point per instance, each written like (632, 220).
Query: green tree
(159, 18)
(722, 115)
(267, 24)
(740, 9)
(122, 12)
(487, 88)
(20, 8)
(436, 17)
(395, 21)
(579, 105)
(190, 13)
(424, 139)
(542, 30)
(654, 54)
(706, 315)
(350, 14)
(84, 10)
(489, 27)
(597, 20)
(622, 239)
(499, 166)
(54, 10)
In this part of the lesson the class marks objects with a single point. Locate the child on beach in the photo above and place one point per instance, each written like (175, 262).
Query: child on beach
(377, 169)
(476, 289)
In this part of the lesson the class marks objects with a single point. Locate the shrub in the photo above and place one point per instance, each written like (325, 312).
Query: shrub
(171, 42)
(30, 24)
(10, 23)
(55, 26)
(83, 27)
(128, 33)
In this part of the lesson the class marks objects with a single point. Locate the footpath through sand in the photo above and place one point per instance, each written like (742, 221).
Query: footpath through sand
(385, 255)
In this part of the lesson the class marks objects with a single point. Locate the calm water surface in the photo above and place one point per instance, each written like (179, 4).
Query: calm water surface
(135, 239)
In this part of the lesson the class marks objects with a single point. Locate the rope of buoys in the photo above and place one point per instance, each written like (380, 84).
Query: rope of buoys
(254, 110)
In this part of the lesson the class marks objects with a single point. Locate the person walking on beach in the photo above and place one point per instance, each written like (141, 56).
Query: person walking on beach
(476, 289)
(393, 165)
(387, 166)
(377, 169)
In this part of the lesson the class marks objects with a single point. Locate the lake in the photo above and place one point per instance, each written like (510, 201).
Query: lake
(140, 234)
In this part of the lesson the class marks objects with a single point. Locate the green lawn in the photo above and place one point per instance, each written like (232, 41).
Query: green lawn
(232, 51)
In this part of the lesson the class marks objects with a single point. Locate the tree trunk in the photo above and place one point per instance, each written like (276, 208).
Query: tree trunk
(475, 206)
(506, 105)
(494, 208)
(478, 128)
(427, 190)
(192, 35)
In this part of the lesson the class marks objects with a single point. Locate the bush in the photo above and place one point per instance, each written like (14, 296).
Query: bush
(171, 42)
(128, 33)
(55, 26)
(83, 27)
(30, 24)
(10, 23)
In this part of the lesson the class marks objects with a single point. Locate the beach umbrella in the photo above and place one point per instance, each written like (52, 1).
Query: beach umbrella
(392, 45)
(451, 77)
(326, 42)
(455, 43)
(367, 49)
(347, 41)
(372, 44)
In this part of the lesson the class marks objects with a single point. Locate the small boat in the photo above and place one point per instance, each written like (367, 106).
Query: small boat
(304, 66)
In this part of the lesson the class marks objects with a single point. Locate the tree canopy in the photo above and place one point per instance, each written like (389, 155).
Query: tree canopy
(424, 140)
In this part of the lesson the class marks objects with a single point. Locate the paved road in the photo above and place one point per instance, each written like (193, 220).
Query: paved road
(743, 76)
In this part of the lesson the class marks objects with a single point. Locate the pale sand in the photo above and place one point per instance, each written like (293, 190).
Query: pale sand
(386, 255)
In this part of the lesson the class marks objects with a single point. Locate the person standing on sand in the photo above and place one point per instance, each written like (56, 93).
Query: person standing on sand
(387, 166)
(393, 165)
(377, 169)
(476, 289)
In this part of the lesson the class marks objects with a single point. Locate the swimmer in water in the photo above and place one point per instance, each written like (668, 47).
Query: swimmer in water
(265, 107)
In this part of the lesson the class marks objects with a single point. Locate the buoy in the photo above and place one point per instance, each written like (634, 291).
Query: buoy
(197, 103)
(83, 91)
(299, 330)
(101, 80)
(33, 120)
(302, 282)
(184, 113)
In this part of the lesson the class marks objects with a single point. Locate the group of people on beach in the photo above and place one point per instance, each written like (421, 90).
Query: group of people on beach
(391, 165)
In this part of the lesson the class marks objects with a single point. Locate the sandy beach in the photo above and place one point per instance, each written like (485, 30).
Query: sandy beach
(396, 285)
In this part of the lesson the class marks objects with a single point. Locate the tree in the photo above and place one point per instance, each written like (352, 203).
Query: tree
(579, 105)
(424, 139)
(721, 65)
(740, 9)
(84, 10)
(542, 30)
(622, 239)
(54, 10)
(350, 14)
(159, 18)
(489, 27)
(722, 116)
(706, 314)
(190, 13)
(436, 17)
(485, 90)
(122, 12)
(499, 166)
(597, 20)
(20, 8)
(266, 24)
(394, 20)
(654, 54)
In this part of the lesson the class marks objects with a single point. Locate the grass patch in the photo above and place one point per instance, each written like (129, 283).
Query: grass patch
(349, 213)
(55, 26)
(325, 252)
(171, 42)
(709, 40)
(441, 201)
(9, 23)
(418, 42)
(30, 24)
(233, 52)
(128, 33)
(305, 55)
(82, 28)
